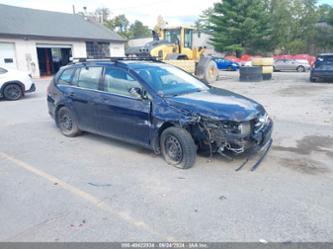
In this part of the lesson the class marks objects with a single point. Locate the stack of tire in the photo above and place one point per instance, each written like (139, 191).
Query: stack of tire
(266, 65)
(250, 74)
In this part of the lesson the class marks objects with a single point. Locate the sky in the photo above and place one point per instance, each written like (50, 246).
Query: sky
(175, 12)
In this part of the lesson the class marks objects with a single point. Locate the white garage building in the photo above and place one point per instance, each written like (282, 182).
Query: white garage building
(41, 41)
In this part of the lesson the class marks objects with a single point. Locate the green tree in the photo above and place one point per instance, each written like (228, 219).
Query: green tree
(203, 23)
(240, 25)
(329, 17)
(138, 30)
(324, 11)
(120, 24)
(102, 14)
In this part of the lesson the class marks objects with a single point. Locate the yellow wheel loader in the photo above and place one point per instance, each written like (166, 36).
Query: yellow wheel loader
(175, 46)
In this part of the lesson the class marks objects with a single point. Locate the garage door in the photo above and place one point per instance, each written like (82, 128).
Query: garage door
(7, 55)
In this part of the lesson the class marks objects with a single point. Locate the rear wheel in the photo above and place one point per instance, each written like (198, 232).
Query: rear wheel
(301, 69)
(178, 147)
(12, 92)
(67, 123)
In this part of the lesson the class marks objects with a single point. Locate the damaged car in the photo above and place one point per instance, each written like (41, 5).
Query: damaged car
(157, 106)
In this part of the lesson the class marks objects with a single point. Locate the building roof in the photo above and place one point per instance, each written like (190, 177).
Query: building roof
(31, 23)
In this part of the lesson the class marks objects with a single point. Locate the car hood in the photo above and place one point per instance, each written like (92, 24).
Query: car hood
(218, 104)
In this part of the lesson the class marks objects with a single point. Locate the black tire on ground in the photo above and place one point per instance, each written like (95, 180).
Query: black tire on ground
(300, 69)
(178, 147)
(67, 122)
(211, 72)
(274, 69)
(250, 71)
(250, 74)
(313, 79)
(12, 92)
(267, 76)
(229, 68)
(253, 78)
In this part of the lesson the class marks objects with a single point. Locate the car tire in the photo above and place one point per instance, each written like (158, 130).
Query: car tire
(230, 68)
(178, 147)
(267, 76)
(301, 69)
(12, 92)
(67, 122)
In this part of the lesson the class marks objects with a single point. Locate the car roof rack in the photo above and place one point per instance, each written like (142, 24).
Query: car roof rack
(114, 59)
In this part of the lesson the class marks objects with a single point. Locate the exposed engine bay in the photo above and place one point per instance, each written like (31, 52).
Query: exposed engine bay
(230, 138)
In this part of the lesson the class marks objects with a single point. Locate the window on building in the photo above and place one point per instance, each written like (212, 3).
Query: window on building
(88, 77)
(119, 82)
(98, 49)
(66, 77)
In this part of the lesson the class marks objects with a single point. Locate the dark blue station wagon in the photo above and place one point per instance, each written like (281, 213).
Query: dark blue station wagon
(158, 106)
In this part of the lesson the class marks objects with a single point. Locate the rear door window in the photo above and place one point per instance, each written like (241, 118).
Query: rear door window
(88, 77)
(119, 82)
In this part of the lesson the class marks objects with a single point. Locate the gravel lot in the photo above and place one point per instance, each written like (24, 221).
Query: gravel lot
(90, 188)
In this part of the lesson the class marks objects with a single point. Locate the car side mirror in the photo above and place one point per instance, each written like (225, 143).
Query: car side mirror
(136, 92)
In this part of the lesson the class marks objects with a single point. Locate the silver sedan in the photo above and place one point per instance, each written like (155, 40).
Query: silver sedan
(291, 65)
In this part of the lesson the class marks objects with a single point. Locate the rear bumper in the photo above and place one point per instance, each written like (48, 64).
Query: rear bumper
(321, 74)
(31, 89)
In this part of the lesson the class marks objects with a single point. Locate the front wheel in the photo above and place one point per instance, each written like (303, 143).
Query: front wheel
(67, 122)
(178, 147)
(12, 92)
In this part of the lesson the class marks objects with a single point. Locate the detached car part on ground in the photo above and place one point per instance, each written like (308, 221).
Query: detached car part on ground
(14, 84)
(157, 106)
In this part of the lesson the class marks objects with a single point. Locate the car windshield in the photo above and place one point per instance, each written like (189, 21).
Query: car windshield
(167, 80)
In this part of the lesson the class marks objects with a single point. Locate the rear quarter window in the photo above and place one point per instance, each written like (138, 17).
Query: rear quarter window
(66, 77)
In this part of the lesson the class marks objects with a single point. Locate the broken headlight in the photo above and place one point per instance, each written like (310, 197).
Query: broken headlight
(244, 128)
(260, 122)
